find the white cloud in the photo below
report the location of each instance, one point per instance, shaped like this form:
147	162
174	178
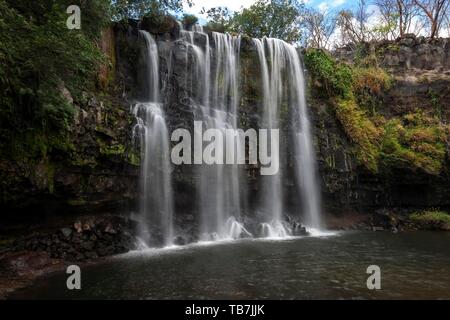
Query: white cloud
323	7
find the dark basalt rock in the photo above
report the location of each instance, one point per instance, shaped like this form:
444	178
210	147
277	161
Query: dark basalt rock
104	237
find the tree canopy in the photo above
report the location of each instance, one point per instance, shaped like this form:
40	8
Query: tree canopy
124	9
270	18
265	18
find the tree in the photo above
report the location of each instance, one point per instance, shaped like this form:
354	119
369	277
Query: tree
352	25
135	9
361	17
398	16
435	11
319	27
349	31
219	19
189	20
274	19
265	18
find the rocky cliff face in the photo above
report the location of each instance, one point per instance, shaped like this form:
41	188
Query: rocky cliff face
102	169
420	69
95	169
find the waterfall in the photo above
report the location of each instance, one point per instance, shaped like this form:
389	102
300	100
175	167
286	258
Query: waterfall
283	83
305	161
212	81
156	204
220	202
216	73
271	201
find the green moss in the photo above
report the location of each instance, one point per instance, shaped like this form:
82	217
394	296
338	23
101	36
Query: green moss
84	162
432	218
435	103
368	85
134	158
117	149
361	131
415	140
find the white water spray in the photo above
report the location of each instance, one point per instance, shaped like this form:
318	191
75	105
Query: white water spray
156	205
283	83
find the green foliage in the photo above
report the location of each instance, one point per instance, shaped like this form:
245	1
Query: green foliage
415	140
265	18
336	79
368	84
220	19
433	218
189	20
136	9
361	131
270	18
43	62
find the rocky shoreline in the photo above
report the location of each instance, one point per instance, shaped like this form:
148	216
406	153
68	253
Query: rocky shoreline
34	252
90	240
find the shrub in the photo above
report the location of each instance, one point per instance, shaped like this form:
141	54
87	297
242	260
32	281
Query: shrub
371	79
336	78
189	20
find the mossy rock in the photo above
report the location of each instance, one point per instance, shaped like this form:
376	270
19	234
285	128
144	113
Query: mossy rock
433	219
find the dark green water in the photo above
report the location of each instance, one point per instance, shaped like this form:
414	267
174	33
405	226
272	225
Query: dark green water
413	266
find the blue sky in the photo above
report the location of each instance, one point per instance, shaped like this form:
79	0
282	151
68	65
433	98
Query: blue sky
235	5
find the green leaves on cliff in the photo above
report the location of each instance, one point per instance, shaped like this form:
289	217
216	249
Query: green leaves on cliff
45	65
432	219
416	140
334	79
361	131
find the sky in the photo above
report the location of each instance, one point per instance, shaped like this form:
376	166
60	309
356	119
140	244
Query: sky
236	5
330	6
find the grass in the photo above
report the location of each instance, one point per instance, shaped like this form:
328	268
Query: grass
433	218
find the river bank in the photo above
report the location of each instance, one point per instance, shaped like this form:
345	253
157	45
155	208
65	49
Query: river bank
28	253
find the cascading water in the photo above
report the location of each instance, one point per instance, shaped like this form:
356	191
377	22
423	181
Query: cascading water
306	164
271	205
219	184
156	205
217	96
281	69
213	82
